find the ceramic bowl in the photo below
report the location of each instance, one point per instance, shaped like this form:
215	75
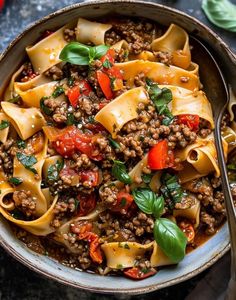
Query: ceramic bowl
195	262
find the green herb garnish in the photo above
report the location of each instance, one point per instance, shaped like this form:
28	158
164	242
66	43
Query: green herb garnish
58	91
54	170
15	180
80	54
27	161
70	119
107	64
4	124
48	111
21	144
171	189
120	173
148	202
147	178
161	98
170	238
113	143
14	99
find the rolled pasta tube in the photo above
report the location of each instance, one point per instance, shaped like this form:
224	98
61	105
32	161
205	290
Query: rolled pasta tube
158	257
120	45
124	254
176	42
40	226
6	189
88	31
26	121
160	73
45	53
4	132
121	110
189	173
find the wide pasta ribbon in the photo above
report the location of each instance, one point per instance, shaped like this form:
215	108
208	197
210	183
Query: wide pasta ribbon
45	53
176	42
26	121
87	31
159	73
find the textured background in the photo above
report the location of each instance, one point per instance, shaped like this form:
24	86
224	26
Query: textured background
18	282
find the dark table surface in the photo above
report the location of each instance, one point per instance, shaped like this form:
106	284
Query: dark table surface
18	282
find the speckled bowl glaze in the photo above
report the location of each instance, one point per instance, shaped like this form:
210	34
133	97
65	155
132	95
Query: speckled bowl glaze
196	261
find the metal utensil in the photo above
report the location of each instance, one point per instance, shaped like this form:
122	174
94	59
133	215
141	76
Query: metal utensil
217	91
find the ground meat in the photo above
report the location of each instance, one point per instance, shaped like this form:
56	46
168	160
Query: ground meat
69	35
27	73
164	57
108	194
186	202
59	110
62	209
204	128
141	224
139	35
209	221
55	73
25	202
81	161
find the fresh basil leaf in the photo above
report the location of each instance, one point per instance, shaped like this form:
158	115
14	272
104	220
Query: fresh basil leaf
99	51
147	178
54	170
170	238
161	98
231	167
15	180
120	173
113	143
148	202
58	91
76	53
71	81
80	54
48	111
222	13
4	124
21	144
27	161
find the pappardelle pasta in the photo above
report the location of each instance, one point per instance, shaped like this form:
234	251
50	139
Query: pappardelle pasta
108	161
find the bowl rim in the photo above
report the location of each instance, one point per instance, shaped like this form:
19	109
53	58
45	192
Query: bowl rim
20	257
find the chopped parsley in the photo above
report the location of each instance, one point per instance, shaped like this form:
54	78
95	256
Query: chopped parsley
4	124
27	161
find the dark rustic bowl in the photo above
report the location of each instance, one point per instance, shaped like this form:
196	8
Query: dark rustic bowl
196	261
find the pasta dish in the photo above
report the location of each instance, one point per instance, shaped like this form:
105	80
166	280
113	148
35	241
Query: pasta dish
108	161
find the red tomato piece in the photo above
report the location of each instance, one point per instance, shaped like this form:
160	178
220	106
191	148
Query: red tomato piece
92	177
192	121
87	203
63	143
159	157
110	56
85	144
137	273
105	84
74	93
93	239
123	202
188	230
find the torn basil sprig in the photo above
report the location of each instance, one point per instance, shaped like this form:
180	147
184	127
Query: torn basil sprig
54	170
171	189
120	173
161	98
167	234
80	54
58	91
114	143
15	180
27	161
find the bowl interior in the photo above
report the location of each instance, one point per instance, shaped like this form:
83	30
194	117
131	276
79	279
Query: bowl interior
194	262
